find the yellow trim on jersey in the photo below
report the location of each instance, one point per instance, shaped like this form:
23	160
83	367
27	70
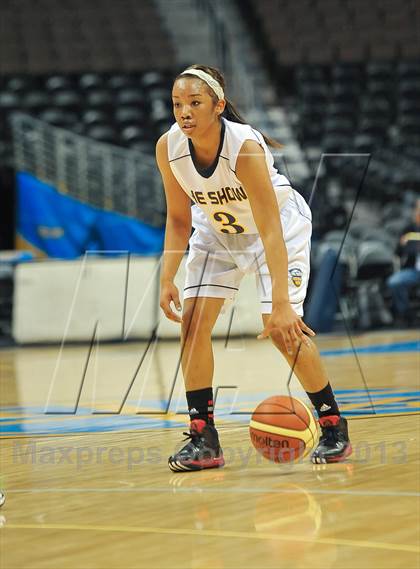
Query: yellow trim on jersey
412	236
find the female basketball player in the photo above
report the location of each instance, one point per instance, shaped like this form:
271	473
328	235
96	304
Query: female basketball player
247	218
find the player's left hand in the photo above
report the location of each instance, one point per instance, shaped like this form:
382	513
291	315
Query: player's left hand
288	327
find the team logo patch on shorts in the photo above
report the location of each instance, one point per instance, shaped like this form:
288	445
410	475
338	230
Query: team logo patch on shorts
296	275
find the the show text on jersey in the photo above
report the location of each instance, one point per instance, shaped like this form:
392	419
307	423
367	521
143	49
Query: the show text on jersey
218	197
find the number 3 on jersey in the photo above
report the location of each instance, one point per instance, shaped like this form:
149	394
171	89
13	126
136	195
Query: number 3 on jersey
228	221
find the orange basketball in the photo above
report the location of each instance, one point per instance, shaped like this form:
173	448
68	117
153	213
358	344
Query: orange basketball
283	429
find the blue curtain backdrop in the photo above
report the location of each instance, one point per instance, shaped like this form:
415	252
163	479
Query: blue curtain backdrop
63	227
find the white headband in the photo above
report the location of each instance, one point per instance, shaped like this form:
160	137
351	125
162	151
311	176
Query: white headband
207	78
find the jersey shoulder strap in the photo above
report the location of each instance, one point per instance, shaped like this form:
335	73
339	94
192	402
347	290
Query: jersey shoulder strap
236	134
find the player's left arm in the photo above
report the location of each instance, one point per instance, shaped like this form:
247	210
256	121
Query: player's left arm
252	171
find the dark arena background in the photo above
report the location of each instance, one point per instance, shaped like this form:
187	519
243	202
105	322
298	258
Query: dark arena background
92	398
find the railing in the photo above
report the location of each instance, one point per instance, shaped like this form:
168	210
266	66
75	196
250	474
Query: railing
106	176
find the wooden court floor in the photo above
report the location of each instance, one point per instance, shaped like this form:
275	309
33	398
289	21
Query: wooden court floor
85	437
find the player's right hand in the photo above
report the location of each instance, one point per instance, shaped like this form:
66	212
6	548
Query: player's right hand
168	294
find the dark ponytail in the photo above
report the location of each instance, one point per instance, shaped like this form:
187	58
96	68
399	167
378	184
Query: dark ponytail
230	112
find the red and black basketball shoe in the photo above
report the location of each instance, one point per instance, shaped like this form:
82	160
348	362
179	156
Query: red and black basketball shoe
202	451
334	443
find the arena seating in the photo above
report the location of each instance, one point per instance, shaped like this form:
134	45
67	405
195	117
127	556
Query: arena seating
344	99
323	31
46	36
348	75
98	68
356	108
130	109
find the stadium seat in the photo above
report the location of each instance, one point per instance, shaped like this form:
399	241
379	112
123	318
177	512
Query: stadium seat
409	125
376	127
160	111
91	81
380	235
36	100
10	100
59	117
129	96
409	69
94	116
67	99
380	71
395	228
341	243
129	115
309	73
408	107
58	83
365	143
378	87
133	134
343	110
314	93
145	146
333	143
375	107
103	133
335	125
99	98
344	93
310	131
152	79
374	260
346	73
19	84
409	88
121	81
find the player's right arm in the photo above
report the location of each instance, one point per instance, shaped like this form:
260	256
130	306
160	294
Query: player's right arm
177	232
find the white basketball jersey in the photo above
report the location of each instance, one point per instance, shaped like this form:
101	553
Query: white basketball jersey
216	190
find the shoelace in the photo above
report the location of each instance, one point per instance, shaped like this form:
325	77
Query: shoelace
330	434
193	435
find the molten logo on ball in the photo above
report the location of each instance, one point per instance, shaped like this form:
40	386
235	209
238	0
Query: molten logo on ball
260	441
283	429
